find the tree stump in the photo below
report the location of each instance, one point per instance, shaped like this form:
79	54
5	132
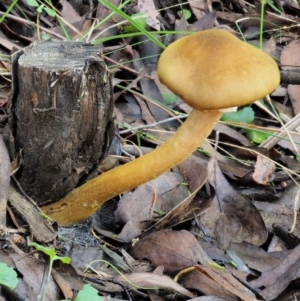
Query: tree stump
61	116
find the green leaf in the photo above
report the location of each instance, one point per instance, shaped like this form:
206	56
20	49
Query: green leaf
50	11
48	251
245	115
185	13
40	8
64	259
170	98
51	253
88	293
298	157
8	276
257	136
140	19
32	3
45	37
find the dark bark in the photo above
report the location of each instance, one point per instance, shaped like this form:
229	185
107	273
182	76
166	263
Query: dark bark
290	77
61	115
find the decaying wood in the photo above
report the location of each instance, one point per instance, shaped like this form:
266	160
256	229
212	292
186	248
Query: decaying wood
38	225
61	116
4	181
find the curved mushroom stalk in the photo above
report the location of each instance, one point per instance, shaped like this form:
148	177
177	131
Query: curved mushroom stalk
210	70
86	199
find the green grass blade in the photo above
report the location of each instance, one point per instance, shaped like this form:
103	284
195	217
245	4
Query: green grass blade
106	18
134	34
8	10
131	21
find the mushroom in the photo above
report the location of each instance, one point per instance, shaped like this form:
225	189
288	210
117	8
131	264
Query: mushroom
210	70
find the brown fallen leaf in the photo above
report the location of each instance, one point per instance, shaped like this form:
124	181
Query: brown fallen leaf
68	12
194	172
254	257
208	298
228	282
226	231
231	216
193	205
287	144
151	13
201	282
198	9
290	56
137	266
151	112
278	278
290	59
175	250
63	284
232	134
272	22
264	170
154	281
135	209
294	94
33	275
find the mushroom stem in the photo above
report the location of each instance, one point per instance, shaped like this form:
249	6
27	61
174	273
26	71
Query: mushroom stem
86	199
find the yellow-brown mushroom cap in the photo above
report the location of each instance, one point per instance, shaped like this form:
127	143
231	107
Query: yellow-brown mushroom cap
213	69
